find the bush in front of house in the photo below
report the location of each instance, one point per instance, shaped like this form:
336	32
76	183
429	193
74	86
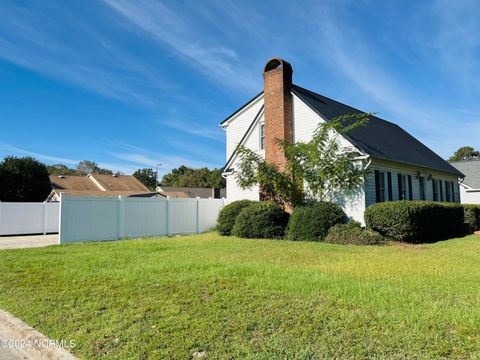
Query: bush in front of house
352	233
472	217
264	220
311	222
228	215
416	221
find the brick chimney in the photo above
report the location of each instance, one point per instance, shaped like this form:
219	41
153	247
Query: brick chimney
277	77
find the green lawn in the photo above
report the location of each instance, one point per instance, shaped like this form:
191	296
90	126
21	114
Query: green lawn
258	299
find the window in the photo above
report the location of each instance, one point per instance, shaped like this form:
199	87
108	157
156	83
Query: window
453	191
402	186
262	136
421	183
435	190
410	188
389	184
380	186
440	187
447	191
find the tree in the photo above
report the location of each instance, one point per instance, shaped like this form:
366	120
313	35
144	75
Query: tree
188	177
60	169
147	177
316	170
23	179
465	153
89	167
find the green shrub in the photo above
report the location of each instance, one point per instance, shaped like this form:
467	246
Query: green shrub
352	233
311	222
228	215
472	217
416	221
263	219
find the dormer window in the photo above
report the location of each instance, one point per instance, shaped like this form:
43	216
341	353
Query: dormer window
262	136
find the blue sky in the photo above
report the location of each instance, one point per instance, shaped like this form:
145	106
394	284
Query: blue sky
129	84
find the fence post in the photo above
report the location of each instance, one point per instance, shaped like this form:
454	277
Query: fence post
121	217
168	215
60	210
44	218
197	212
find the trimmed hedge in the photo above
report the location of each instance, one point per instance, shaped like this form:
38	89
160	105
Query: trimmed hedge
352	233
265	220
311	222
472	217
416	221
228	215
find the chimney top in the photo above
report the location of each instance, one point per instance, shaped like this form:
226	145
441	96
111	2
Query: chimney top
275	63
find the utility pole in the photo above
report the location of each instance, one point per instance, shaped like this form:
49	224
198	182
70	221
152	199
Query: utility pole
157	182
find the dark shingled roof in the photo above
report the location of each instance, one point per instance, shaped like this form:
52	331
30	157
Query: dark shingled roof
471	169
378	138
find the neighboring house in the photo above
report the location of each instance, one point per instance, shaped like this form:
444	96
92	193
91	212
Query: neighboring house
98	185
470	185
186	193
400	167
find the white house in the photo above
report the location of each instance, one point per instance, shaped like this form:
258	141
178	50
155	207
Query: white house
470	185
400	167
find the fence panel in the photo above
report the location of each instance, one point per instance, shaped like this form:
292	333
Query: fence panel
88	218
96	218
208	213
145	217
18	218
183	216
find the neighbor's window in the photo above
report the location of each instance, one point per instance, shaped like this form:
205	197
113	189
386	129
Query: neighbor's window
421	183
262	136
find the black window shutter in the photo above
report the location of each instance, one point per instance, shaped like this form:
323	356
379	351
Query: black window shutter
410	192
453	192
377	185
440	186
400	187
434	190
389	180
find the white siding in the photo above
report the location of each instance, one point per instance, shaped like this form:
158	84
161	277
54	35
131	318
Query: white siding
469	196
305	121
234	192
238	125
353	204
396	168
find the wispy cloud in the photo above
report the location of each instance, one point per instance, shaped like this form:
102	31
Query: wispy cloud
7	149
65	47
172	31
209	132
456	41
141	157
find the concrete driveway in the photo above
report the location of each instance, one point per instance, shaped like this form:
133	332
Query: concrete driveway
27	241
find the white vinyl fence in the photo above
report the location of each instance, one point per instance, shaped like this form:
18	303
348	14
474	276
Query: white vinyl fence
109	218
18	218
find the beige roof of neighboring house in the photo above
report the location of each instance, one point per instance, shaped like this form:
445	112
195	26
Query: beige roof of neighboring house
98	185
101	193
120	183
176	194
70	182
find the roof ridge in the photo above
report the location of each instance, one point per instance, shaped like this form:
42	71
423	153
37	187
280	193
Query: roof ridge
463	161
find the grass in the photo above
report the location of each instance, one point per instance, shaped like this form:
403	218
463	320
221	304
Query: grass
257	299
